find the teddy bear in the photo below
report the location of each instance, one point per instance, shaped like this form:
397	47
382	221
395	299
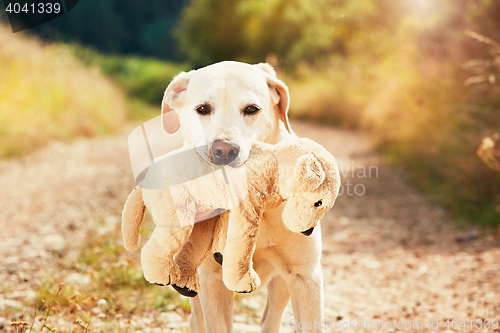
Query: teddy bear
300	174
307	183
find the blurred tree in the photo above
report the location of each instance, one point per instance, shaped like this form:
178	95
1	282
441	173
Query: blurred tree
294	30
120	26
211	31
448	91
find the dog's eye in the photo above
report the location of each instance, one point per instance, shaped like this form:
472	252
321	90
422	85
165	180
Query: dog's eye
318	203
251	109
203	109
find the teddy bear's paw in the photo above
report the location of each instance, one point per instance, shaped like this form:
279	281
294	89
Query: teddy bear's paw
185	291
161	273
188	279
245	283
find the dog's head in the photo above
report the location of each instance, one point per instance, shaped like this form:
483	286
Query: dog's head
222	108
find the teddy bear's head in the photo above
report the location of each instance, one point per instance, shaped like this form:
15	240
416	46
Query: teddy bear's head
309	186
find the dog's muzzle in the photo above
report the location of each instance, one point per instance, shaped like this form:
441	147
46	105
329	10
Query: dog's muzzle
224	152
308	232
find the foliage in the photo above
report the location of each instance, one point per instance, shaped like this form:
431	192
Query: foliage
426	96
120	26
47	95
293	30
144	79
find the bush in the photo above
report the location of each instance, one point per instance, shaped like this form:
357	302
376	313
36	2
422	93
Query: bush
144	79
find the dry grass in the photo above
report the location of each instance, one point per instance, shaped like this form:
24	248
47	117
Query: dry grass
97	286
332	95
49	95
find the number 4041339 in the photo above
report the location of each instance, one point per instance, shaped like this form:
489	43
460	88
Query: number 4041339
470	324
40	8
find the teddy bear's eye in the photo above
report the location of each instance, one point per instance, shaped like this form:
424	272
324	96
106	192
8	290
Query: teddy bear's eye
318	203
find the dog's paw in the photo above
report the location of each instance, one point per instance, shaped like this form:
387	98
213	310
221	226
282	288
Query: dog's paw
161	273
245	283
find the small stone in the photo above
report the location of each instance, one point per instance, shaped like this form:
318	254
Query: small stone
54	242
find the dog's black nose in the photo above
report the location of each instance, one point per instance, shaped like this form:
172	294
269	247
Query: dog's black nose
224	152
308	231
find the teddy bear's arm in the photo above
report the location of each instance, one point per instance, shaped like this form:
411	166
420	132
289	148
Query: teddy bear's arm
237	267
220	234
193	252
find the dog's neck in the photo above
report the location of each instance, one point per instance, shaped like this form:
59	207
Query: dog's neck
279	134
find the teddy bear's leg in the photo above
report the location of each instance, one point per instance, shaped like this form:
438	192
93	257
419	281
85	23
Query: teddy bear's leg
192	254
220	237
157	256
237	267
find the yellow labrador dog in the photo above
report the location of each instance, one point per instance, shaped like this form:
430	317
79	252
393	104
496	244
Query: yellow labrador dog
230	105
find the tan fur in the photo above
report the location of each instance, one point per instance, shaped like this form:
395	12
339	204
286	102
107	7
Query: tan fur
242	222
133	212
174	209
264	173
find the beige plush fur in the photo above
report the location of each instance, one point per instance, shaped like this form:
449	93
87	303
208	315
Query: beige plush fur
300	173
193	190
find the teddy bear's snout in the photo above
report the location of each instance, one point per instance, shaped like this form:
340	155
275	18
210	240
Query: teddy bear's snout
224	152
308	232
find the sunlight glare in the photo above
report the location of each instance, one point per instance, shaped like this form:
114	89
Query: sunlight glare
422	5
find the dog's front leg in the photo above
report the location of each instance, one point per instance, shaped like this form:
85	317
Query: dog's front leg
301	269
306	292
277	299
196	319
216	300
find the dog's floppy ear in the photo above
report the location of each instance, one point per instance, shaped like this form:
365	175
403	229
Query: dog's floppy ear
173	99
279	93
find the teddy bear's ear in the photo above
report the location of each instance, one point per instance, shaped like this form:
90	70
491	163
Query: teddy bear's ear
173	99
309	173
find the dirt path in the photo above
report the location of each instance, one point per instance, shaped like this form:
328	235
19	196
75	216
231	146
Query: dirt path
389	255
